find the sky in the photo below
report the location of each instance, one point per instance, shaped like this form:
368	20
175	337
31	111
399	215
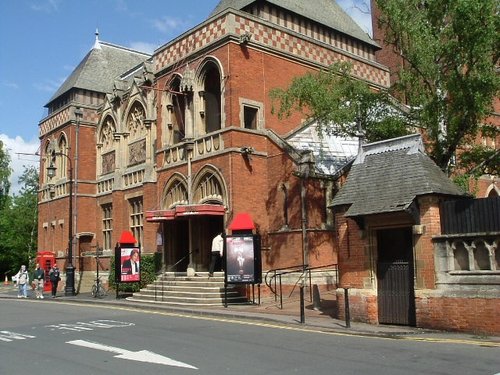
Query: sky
42	41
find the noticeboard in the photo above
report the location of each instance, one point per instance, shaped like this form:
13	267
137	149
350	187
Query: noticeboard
128	264
242	259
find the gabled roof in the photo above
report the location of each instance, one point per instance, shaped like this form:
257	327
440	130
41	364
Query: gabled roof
387	176
326	12
331	153
99	68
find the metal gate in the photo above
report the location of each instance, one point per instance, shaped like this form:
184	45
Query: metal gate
396	295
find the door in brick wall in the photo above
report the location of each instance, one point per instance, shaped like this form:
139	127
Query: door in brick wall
176	248
396	294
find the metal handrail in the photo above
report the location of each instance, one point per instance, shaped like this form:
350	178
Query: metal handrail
276	276
168	269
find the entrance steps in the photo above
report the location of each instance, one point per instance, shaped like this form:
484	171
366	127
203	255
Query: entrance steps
176	288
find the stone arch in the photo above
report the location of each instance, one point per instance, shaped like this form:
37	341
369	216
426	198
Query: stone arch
134	120
492	191
209	186
209	82
175	192
136	134
47	155
62	161
106	153
174	111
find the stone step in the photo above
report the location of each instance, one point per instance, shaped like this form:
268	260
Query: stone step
176	288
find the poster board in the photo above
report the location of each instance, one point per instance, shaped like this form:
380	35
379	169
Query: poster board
128	264
242	259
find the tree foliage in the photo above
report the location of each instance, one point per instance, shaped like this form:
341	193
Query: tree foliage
5	172
340	104
448	78
19	223
450	49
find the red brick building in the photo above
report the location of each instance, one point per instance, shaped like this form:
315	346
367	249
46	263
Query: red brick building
172	146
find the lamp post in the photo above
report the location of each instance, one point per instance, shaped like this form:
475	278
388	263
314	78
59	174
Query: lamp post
69	290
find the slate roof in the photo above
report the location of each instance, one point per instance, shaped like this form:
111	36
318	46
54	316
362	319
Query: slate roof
326	12
331	153
387	176
99	68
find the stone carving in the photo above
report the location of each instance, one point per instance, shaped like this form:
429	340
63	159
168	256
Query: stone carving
137	152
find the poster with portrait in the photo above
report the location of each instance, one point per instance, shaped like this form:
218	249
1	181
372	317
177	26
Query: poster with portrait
130	264
242	259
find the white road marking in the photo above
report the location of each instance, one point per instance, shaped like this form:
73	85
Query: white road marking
141	355
90	326
8	336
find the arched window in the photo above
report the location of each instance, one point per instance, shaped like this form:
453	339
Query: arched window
137	134
461	256
175	192
61	163
211	97
106	146
209	187
175	115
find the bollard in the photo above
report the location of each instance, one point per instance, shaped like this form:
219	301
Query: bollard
346	305
316	298
302	307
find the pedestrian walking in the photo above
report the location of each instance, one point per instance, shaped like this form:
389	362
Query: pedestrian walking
55	277
23	279
38	281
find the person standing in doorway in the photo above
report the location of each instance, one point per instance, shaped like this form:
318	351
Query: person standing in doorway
38	281
23	280
55	277
216	254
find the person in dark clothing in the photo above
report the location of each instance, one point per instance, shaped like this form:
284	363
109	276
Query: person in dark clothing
55	277
38	281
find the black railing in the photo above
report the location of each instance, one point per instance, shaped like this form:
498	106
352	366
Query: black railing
274	279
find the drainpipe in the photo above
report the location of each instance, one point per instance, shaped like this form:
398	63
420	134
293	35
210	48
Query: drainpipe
189	147
79	117
306	165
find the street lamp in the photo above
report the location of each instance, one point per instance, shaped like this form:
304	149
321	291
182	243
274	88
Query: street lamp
69	290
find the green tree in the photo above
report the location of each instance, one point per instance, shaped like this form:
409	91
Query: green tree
448	78
5	172
18	224
450	49
341	105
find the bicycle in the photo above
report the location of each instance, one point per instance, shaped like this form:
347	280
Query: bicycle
98	290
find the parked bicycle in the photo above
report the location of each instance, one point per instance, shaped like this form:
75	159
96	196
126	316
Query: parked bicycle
98	290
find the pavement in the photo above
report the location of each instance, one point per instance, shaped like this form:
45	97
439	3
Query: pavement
269	312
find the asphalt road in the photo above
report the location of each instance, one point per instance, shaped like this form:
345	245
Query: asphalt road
47	337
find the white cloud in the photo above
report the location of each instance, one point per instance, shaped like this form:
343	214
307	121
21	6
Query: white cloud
22	153
143	47
47	6
169	24
49	85
11	85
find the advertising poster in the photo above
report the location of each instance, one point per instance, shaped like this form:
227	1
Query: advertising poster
240	259
130	260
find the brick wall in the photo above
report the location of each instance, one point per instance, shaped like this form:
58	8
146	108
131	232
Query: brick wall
475	315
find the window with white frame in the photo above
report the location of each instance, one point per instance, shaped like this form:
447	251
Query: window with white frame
107	225
137	219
